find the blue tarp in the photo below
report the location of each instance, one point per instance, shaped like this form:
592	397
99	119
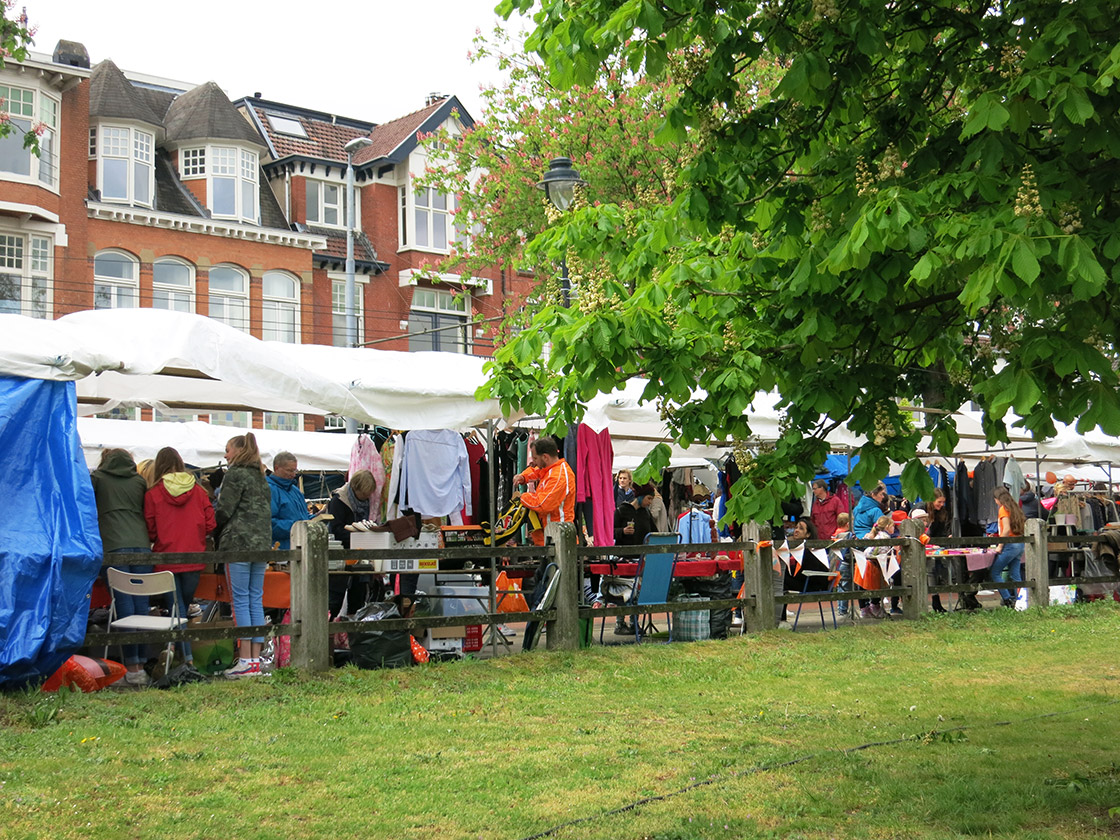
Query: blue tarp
50	546
836	466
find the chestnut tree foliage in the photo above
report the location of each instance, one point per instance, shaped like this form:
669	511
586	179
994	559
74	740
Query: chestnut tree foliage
925	208
15	37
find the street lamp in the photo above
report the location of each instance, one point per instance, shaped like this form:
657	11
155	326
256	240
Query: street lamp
559	184
355	145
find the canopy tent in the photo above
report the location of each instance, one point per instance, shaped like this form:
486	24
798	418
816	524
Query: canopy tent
203	444
174	359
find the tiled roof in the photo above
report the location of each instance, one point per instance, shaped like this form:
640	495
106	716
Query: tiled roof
336	245
271	214
388	136
158	100
327	136
205	113
171	195
111	95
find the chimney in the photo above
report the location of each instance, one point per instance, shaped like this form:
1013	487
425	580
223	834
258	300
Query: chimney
433	98
72	54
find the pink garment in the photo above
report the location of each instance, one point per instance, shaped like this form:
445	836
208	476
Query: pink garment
594	462
364	456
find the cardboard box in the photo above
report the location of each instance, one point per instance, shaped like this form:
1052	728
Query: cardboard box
447	632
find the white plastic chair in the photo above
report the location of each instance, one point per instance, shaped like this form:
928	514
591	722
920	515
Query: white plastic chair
152	583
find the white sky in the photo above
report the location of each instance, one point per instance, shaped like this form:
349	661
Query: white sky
374	60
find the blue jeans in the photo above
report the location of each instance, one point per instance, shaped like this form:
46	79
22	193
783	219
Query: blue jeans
845	583
131	604
1010	558
185	585
246	583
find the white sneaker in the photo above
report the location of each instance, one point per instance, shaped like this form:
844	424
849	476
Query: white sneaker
736	621
137	678
243	669
784	625
507	631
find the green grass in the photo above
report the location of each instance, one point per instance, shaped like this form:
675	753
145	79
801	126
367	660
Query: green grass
999	724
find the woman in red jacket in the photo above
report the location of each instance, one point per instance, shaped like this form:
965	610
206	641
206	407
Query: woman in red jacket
179	516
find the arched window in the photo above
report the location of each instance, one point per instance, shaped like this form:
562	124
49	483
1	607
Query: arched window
229	296
173	285
281	307
115	280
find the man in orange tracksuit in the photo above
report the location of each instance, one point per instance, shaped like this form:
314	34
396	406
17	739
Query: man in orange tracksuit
554	498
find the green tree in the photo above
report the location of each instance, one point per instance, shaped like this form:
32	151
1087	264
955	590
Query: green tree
926	203
15	38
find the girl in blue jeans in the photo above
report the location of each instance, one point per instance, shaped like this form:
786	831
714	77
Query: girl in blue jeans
1012	523
244	514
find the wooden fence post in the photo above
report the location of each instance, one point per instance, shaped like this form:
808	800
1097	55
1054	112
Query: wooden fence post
912	558
563	632
308	576
758	583
1036	562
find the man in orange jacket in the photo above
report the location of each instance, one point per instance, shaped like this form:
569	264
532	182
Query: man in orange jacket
554	498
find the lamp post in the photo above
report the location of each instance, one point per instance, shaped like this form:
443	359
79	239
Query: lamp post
355	145
559	184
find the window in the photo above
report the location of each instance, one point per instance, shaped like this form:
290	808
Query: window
240	419
25	274
125	164
173	415
286	125
281	307
115	283
427	219
192	163
233	179
338	312
172	285
229	296
438	321
325	204
29	111
283	422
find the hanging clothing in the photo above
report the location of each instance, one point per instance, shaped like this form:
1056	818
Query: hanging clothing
695	526
393	494
476	463
1013	477
984	480
595	456
435	476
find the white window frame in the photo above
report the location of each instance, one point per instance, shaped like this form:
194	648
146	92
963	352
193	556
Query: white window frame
228	296
219	163
38	111
125	289
136	147
321	205
27	259
274	304
431	306
419	217
275	420
173	291
338	309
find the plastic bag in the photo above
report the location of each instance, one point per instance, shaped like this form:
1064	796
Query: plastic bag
512	601
380	648
419	652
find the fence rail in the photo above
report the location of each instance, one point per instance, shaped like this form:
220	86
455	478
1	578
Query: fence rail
762	598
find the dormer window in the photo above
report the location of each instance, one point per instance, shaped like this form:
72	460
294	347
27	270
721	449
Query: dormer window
125	164
325	204
232	180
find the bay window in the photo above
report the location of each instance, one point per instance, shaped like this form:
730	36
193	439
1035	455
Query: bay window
427	219
29	111
126	164
233	179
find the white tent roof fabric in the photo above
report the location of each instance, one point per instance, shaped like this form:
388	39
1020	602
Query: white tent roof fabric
118	356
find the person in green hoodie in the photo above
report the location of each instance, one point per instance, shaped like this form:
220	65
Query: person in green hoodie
119	491
244	518
179	516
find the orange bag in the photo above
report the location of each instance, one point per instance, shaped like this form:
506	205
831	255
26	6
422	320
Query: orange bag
509	597
85	673
419	652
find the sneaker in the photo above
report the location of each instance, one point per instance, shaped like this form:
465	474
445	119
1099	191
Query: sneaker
243	669
736	621
194	611
877	611
624	629
507	631
137	678
841	611
784	625
896	611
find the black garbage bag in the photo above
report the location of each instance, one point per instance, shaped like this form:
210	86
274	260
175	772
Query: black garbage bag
379	648
182	675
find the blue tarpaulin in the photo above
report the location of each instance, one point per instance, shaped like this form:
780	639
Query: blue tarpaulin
836	466
50	546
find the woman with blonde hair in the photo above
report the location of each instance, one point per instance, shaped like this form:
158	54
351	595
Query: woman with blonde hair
1009	558
872	575
244	518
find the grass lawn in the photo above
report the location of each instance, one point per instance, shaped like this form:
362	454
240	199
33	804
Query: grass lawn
1000	724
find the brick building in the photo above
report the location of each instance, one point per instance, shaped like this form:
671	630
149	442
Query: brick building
152	193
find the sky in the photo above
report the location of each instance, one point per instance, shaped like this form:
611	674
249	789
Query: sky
374	60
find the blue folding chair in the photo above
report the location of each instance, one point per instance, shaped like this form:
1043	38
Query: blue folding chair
655	574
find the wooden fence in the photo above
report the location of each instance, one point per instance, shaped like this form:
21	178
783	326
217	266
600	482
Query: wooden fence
309	568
